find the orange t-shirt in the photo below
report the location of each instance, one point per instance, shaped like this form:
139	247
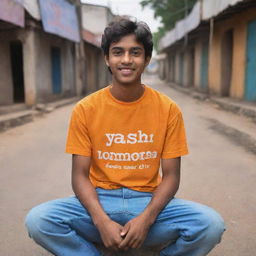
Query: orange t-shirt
126	140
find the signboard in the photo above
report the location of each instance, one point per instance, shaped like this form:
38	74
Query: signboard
12	11
59	17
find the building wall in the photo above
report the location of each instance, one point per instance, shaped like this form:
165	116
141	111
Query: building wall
238	23
6	81
44	43
6	88
36	66
91	59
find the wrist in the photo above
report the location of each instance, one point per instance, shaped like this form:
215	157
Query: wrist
100	220
149	217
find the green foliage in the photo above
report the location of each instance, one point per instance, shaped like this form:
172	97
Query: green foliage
169	12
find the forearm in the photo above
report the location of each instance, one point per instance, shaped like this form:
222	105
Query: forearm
88	197
161	196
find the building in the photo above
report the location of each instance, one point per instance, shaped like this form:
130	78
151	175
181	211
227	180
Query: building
39	41
214	49
94	19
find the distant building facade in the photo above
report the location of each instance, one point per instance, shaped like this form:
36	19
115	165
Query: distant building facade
214	49
45	53
94	19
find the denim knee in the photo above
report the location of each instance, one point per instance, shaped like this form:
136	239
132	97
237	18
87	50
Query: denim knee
33	222
38	222
213	227
206	226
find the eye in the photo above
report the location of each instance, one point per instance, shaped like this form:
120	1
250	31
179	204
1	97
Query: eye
136	52
117	52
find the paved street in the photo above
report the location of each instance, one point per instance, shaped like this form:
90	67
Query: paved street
217	172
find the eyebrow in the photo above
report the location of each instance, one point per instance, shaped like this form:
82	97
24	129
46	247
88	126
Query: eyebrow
121	48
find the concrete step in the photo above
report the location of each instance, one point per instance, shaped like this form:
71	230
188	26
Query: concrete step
236	135
15	119
6	109
238	107
244	108
18	114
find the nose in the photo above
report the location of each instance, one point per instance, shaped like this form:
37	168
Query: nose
126	58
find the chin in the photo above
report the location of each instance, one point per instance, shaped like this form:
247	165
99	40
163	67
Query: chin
128	81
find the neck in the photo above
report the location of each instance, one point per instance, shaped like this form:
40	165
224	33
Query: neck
127	92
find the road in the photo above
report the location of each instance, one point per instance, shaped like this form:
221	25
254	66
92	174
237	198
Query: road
217	172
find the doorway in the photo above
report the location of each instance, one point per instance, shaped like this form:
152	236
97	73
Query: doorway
226	62
16	55
56	69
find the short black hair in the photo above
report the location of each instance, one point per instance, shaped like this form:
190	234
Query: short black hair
123	26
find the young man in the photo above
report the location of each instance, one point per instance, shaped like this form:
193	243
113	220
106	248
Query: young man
117	137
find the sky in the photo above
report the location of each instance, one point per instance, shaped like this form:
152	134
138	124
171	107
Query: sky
129	7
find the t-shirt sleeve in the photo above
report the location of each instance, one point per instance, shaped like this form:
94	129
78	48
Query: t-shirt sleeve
175	144
78	140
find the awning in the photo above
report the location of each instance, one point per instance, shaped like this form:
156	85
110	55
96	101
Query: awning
60	17
32	7
92	38
213	8
13	12
182	27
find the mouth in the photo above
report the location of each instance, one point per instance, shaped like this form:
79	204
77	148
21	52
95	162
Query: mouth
126	71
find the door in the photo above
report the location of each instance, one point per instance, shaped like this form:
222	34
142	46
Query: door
56	69
204	66
226	62
16	54
250	84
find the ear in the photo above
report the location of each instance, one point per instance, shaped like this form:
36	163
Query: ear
106	60
147	61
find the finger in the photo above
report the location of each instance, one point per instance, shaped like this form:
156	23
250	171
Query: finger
125	230
114	247
135	243
125	242
140	244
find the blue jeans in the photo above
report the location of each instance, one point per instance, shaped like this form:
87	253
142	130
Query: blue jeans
65	228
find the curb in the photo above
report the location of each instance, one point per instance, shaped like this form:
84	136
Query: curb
237	136
243	109
15	119
238	107
18	118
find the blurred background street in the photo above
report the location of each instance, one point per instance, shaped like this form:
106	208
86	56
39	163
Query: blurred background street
204	59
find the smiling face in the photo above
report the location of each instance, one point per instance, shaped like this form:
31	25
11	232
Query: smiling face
127	61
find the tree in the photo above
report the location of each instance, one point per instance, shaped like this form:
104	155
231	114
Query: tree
169	11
